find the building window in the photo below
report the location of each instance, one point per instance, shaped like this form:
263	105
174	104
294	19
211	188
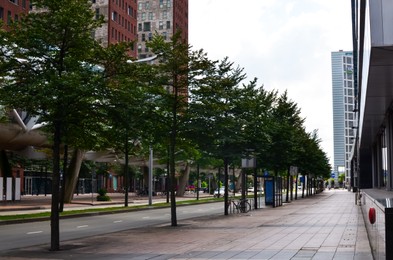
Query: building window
139	27
139	6
164	35
143	16
168	24
14	1
161	3
114	16
130	11
1	13
93	1
150	36
160	25
164	15
147	5
24	4
150	16
168	3
97	13
16	18
146	27
143	37
9	17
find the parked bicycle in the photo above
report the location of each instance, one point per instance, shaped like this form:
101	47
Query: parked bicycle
240	206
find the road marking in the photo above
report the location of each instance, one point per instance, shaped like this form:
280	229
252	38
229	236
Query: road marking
117	221
34	232
83	226
145	217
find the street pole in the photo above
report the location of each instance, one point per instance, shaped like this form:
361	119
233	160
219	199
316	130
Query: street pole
151	176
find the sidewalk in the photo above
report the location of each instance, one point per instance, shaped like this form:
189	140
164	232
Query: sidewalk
326	226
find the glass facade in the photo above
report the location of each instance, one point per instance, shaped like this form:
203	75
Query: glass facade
344	125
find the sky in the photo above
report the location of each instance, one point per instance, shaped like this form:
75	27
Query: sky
286	44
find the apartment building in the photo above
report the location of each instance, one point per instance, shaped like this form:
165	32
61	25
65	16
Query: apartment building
120	22
164	17
12	10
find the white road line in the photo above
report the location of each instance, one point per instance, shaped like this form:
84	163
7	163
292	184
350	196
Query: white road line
117	221
34	232
145	217
83	226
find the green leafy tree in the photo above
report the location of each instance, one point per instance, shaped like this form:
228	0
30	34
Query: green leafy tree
215	121
50	73
177	69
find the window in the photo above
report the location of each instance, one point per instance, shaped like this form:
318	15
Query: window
160	25
146	26
147	5
14	1
150	16
139	27
164	35
164	15
114	15
150	36
168	3
97	13
168	24
93	1
139	47
139	6
16	18
161	3
9	17
143	16
24	4
130	11
1	13
143	37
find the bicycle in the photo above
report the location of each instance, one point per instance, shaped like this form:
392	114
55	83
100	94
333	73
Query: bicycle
240	206
244	206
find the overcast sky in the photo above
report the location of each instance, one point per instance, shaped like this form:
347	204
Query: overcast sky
286	44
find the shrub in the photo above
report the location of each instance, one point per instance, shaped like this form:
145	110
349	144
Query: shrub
102	195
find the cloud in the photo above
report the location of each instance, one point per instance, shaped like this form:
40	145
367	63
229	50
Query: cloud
285	44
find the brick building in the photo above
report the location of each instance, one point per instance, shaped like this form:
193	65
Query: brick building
11	10
120	21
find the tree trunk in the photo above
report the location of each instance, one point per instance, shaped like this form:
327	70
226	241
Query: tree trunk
183	181
73	174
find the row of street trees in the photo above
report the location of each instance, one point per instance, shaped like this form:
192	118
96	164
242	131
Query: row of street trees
186	106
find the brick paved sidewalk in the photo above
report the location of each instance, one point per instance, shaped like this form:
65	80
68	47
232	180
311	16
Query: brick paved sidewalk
326	226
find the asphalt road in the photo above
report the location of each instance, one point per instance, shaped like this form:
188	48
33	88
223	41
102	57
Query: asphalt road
38	233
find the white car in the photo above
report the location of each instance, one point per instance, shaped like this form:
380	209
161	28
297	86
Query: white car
219	192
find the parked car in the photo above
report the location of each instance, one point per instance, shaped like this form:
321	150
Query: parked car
219	192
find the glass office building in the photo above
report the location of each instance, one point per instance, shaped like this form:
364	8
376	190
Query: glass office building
344	125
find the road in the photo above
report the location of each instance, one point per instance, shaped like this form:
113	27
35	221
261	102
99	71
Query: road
38	233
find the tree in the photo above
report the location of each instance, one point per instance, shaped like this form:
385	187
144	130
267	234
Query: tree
214	118
177	68
283	128
50	72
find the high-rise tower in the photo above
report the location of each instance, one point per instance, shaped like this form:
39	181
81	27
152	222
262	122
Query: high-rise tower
343	111
160	16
